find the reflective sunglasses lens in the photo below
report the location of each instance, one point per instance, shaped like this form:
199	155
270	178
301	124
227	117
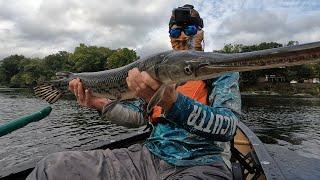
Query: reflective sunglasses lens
190	30
174	33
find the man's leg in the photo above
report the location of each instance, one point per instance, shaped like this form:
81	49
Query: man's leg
215	171
135	162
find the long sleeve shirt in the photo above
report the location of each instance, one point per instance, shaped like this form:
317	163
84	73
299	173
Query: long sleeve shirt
192	133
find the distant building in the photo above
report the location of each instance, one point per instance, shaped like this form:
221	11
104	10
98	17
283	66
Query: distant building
293	82
275	78
262	79
316	80
313	80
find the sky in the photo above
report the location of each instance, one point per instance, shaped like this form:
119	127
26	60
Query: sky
37	28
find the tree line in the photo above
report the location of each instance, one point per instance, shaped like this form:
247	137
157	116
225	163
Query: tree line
20	71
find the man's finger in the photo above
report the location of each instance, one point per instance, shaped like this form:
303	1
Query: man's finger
87	97
73	84
131	80
75	91
80	92
149	81
136	76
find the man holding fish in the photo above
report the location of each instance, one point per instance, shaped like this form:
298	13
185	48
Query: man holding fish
192	124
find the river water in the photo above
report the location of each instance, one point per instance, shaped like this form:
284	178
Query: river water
289	127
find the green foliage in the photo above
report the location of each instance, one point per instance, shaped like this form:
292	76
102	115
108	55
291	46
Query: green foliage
292	43
18	71
239	48
56	63
229	48
89	58
10	66
299	73
121	57
25	79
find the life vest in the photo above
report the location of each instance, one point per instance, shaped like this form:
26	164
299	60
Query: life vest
196	90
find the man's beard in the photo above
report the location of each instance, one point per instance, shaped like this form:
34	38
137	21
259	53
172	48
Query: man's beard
185	43
188	42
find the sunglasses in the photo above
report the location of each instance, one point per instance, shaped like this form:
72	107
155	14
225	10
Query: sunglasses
188	30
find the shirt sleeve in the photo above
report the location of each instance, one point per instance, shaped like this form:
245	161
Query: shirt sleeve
218	120
125	113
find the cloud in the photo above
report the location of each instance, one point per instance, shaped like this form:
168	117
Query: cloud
249	27
38	28
48	26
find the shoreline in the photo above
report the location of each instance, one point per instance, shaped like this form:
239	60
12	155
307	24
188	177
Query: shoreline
251	92
305	90
275	94
243	93
7	89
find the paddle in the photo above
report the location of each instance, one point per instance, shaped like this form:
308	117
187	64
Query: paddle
23	121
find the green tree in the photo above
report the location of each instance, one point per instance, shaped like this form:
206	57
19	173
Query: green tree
24	79
10	66
292	43
299	73
229	48
121	57
316	70
56	63
18	71
30	72
89	58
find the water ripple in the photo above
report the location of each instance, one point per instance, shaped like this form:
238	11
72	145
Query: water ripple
289	122
68	126
292	123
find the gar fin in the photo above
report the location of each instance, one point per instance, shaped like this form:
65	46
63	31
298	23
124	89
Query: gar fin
48	93
156	98
51	92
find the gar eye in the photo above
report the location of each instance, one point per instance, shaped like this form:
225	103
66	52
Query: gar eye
188	70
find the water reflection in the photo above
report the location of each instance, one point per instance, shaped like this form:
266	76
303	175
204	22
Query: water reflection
291	122
67	127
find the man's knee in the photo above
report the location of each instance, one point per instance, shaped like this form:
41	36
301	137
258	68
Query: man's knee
53	166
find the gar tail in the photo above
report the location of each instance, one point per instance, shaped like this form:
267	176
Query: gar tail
52	91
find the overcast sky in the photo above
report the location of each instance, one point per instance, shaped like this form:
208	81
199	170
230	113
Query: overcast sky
36	28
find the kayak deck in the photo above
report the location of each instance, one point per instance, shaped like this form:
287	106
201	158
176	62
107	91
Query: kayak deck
250	158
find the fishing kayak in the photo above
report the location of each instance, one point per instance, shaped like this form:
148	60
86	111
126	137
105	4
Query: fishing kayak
250	159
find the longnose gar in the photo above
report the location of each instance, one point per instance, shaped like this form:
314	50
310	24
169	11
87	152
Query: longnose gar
180	66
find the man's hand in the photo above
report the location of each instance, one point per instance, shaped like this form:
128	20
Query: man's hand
85	96
144	86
